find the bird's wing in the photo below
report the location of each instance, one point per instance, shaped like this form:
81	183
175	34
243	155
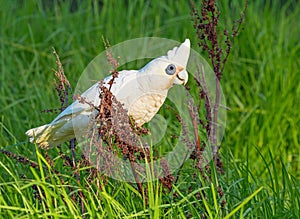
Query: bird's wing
91	96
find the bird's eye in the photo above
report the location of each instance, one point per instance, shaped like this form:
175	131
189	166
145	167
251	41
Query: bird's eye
171	69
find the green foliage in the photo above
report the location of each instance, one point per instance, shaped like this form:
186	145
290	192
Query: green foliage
261	151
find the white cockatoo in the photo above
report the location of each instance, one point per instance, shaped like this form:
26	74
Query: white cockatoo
142	93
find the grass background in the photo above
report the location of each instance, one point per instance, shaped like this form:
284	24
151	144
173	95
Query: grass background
260	83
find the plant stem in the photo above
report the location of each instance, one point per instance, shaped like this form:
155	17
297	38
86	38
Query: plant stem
215	147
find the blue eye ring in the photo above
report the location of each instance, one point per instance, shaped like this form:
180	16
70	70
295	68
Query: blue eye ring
171	69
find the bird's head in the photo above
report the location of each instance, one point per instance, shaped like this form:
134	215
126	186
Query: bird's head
170	69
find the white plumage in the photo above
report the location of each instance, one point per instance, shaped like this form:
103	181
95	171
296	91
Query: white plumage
142	93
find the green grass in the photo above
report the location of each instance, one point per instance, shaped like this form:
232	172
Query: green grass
261	151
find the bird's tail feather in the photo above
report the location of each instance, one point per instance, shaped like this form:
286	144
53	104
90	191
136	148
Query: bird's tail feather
43	135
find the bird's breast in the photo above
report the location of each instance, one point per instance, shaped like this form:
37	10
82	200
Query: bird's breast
145	107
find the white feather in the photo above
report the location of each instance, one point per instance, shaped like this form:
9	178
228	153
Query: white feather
141	92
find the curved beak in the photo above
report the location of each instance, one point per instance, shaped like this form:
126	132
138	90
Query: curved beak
181	78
